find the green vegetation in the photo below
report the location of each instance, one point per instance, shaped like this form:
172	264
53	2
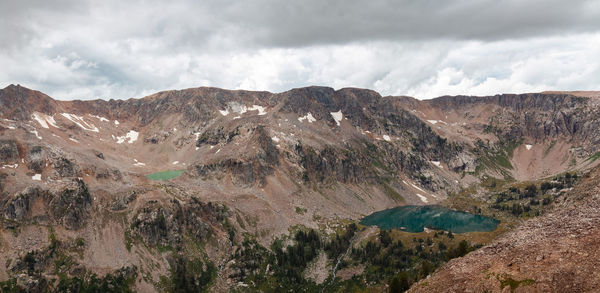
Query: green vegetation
300	211
387	259
120	281
514	284
593	157
532	199
189	275
165	175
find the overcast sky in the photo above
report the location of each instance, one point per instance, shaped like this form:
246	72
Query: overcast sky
83	49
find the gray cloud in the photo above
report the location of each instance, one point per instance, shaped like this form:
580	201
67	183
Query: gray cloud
120	49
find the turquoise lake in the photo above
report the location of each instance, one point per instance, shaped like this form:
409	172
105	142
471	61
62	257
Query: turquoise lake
415	218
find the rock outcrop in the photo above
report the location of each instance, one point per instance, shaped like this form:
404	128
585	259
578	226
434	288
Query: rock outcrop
9	152
68	206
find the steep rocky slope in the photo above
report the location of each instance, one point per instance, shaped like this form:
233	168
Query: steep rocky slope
75	200
557	252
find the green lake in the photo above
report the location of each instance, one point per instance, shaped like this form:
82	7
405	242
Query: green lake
165	175
415	218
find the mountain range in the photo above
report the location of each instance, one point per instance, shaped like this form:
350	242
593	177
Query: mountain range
212	189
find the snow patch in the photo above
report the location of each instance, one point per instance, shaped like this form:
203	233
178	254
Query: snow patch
74	140
10	166
237	117
261	109
117	122
432	121
197	134
387	138
36	133
422	198
44	120
40	120
437	163
138	164
337	116
102	119
37	177
417	187
217	151
528	146
197	148
80	122
224	112
308	117
175	162
132	136
275	138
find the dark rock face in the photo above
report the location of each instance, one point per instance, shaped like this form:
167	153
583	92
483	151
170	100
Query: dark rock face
123	200
99	155
18	207
165	224
215	136
539	116
64	167
360	163
158	225
249	171
70	207
9	152
106	173
35	159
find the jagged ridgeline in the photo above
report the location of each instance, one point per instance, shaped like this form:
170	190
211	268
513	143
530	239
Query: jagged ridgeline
208	189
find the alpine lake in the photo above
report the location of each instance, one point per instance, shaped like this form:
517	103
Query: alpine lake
415	218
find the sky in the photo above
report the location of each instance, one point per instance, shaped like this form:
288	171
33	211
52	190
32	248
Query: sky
114	49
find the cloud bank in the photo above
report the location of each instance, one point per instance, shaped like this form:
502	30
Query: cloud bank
121	49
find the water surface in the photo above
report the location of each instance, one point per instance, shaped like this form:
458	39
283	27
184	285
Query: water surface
165	175
415	218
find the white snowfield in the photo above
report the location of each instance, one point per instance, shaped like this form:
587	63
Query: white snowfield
10	166
37	177
275	138
337	116
102	119
241	109
260	109
386	137
80	122
138	164
437	163
528	146
132	136
423	198
116	122
309	117
44	120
